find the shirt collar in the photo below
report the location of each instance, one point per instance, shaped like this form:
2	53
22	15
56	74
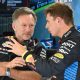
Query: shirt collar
68	33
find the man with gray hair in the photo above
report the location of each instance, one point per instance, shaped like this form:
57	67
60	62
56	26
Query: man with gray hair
13	67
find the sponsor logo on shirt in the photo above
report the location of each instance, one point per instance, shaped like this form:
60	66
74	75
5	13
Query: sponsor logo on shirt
59	55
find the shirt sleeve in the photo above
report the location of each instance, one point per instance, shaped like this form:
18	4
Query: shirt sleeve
58	62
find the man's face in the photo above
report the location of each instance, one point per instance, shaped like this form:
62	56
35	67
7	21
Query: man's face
24	27
52	25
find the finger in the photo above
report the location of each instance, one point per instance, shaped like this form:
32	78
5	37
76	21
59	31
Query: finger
9	43
15	65
13	51
14	40
10	50
19	65
20	61
31	66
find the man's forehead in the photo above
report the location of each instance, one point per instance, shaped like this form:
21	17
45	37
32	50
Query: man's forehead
48	16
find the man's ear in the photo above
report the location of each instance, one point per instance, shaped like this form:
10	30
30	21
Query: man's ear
59	19
13	26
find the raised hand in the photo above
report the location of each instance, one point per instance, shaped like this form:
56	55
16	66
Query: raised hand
15	47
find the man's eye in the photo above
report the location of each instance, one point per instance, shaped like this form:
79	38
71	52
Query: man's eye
31	26
24	25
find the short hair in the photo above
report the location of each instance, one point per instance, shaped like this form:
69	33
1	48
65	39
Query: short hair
23	11
61	10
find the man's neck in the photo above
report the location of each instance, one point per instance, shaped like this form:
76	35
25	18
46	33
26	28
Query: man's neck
64	30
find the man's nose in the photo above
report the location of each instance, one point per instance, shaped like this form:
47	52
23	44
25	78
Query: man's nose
27	28
46	26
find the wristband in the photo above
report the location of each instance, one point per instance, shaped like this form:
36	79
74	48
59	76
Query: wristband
8	72
27	56
24	53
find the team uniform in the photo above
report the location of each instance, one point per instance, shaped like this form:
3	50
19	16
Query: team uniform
7	56
55	65
68	53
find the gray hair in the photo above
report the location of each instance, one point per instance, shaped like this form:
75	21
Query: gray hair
23	11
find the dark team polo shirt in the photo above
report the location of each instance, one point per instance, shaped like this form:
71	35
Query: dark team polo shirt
7	56
67	53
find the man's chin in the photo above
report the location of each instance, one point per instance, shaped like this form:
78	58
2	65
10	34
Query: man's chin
27	38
